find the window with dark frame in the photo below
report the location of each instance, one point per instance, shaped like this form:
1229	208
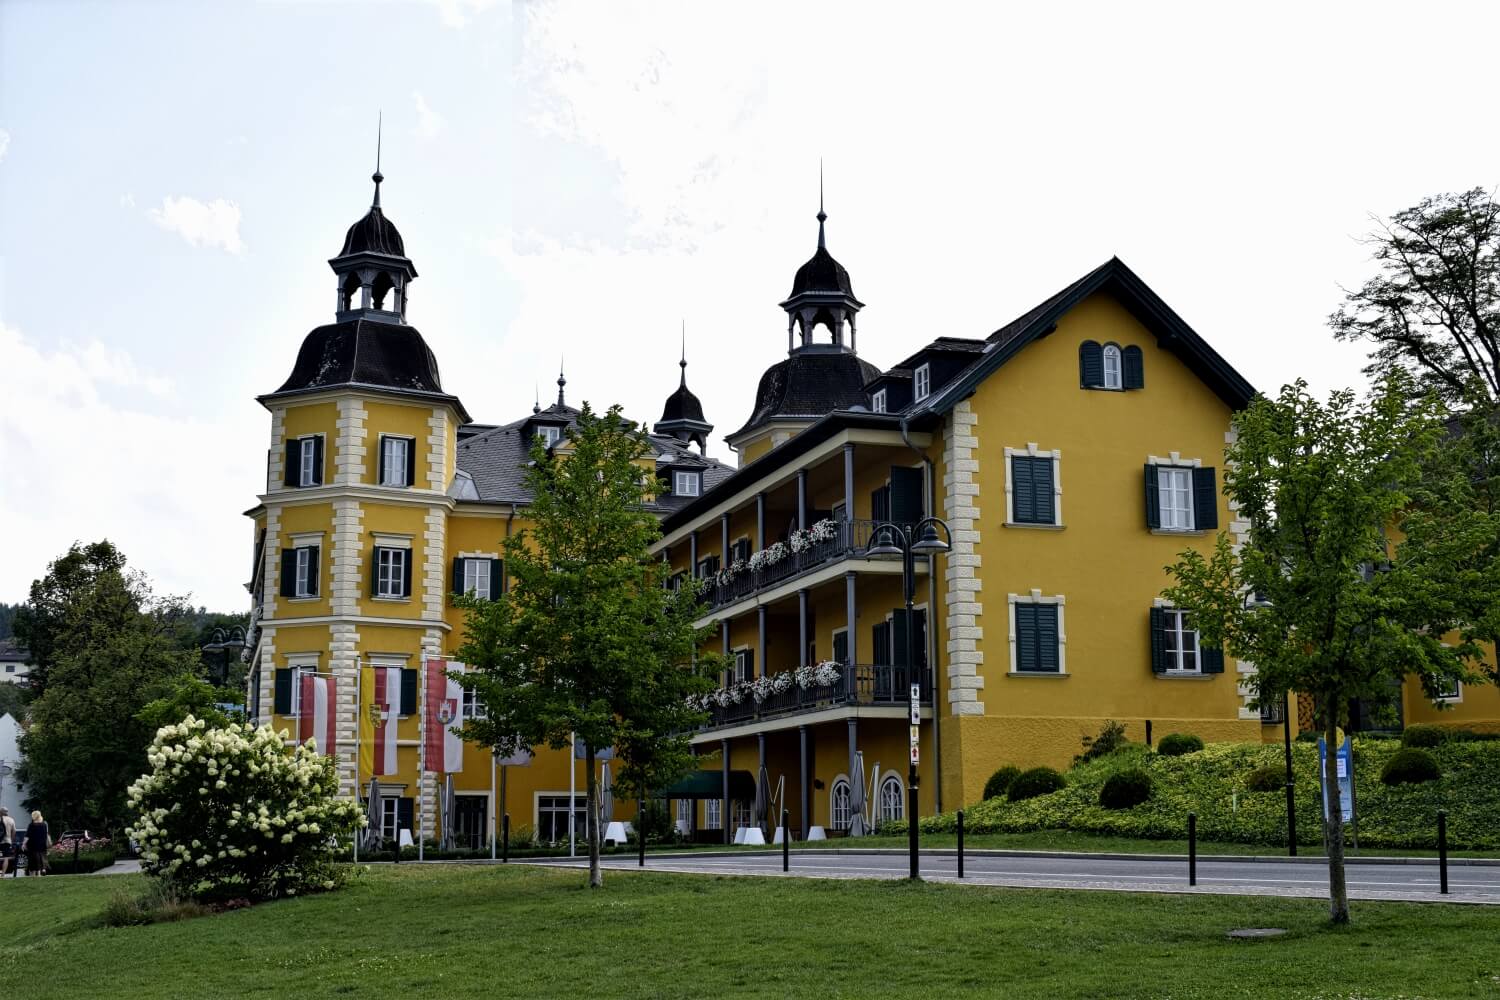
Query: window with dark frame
390	572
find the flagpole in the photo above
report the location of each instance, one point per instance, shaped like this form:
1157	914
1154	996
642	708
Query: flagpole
421	758
572	787
494	809
358	677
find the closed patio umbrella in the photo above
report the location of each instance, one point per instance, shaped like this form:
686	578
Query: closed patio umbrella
373	815
606	799
762	798
857	825
447	804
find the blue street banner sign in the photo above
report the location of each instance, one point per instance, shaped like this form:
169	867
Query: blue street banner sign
1344	762
580	751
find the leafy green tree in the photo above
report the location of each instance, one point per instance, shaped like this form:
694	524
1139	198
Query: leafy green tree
107	652
1433	309
588	640
13	699
187	696
1344	607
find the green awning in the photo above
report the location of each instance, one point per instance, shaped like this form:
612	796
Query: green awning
704	784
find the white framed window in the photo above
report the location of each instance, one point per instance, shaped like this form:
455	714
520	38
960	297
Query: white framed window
390	580
477	578
1180	642
474	706
395	456
1038	635
1270	712
877	401
390	813
1033	486
684	813
744	665
552	817
307	470
1452	693
839	814
712	819
1113	378
549	434
686	484
892	801
921	383
1174	494
739	814
300	670
306	584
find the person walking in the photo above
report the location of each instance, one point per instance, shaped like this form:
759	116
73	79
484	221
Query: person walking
7	842
37	842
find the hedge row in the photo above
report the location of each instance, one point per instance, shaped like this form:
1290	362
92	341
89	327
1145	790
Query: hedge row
88	861
1212	783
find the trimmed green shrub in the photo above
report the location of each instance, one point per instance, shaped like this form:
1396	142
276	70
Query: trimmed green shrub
1177	744
1000	781
1265	779
1471	736
1111	738
1125	789
1410	766
1423	735
1033	783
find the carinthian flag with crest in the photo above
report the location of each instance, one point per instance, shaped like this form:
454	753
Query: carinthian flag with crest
443	711
377	743
315	714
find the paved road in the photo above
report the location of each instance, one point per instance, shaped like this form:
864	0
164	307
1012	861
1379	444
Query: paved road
1407	881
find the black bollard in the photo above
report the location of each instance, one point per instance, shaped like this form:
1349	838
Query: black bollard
786	841
1443	851
640	834
505	838
1192	848
960	843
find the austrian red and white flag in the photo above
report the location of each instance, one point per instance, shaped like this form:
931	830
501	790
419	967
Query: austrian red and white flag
387	711
443	712
315	717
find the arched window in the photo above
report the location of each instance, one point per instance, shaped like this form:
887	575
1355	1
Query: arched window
1112	377
892	798
838	799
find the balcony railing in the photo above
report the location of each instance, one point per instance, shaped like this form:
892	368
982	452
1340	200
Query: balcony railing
861	684
851	539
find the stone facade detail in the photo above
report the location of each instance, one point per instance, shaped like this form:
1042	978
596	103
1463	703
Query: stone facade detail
276	456
343	663
271	578
349	462
434	564
350	581
963	625
267	694
437	450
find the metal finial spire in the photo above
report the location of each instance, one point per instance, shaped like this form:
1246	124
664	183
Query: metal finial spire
822	216
377	176
683	363
561	381
536	407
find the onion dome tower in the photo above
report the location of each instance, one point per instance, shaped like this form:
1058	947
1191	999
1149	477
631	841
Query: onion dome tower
817	377
682	416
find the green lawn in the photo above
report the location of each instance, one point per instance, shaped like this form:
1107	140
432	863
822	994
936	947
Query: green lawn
488	931
1070	840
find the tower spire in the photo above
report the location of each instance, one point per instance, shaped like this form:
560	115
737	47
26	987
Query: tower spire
561	381
822	216
683	363
377	176
536	407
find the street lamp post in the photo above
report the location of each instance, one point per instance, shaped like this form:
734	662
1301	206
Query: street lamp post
906	542
225	643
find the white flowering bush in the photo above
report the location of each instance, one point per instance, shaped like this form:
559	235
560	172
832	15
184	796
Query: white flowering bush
234	811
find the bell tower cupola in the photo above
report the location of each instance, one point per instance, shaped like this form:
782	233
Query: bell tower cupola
373	270
822	296
682	416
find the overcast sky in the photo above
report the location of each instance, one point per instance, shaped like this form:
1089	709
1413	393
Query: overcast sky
576	180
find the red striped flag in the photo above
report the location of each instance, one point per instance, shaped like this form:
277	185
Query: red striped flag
388	704
443	709
315	715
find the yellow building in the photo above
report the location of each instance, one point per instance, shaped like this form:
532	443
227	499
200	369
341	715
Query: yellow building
1072	454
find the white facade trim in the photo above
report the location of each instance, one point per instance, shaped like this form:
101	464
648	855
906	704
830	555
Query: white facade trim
1035	597
1032	451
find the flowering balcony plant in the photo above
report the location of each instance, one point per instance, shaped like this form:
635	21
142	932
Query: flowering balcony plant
821	674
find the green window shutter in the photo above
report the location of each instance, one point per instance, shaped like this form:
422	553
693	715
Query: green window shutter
919	622
411	461
880	504
1046	638
1090	365
1026	652
312	571
750	664
408	691
1135	368
497	578
458	575
1211	659
404	814
380	460
1205	499
1153	499
841	647
406	573
1022	489
317	461
288	572
1043	496
882	652
293	464
283	704
906	495
1158	641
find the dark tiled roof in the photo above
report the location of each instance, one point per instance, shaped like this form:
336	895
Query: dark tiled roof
809	384
822	274
365	352
944	345
682	405
373	234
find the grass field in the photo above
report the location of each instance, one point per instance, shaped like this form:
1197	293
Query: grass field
472	931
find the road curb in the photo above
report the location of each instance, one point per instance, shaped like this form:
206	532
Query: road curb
948	852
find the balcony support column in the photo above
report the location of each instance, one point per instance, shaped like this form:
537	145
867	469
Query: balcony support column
724	803
765	821
849	485
693	555
806	784
802	657
724	543
760	649
850	613
760	521
801	499
853	750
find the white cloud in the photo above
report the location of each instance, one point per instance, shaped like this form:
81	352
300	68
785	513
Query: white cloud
456	13
127	200
96	447
212	224
4	143
429	122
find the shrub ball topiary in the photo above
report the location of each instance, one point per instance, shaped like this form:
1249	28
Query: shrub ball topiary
1111	738
1125	789
1410	767
1177	744
1423	736
1265	779
999	782
1037	781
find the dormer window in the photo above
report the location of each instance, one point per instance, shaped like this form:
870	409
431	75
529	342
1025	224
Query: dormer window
922	383
548	434
687	484
877	401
